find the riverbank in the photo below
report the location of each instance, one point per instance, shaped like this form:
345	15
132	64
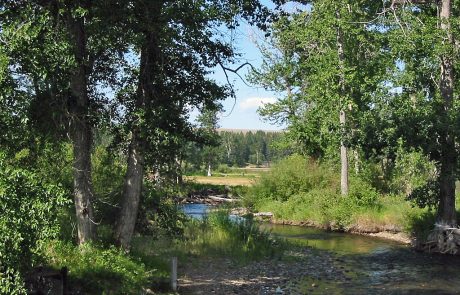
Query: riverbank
394	234
322	262
224	276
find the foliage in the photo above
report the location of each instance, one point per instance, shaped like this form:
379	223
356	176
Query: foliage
303	190
291	176
324	60
94	270
158	213
28	218
108	172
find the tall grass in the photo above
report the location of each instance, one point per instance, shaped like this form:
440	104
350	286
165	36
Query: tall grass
219	234
216	236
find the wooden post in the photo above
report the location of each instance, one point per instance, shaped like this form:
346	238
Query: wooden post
174	274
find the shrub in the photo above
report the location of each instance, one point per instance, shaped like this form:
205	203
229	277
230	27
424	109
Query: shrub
362	194
300	189
28	218
412	170
158	214
289	177
94	270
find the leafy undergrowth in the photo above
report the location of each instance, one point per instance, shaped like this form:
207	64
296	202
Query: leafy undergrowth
93	270
220	235
97	270
301	190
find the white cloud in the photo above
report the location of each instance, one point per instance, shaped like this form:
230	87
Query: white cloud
255	102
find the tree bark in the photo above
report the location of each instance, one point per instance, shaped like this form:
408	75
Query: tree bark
132	190
342	115
81	136
446	208
209	170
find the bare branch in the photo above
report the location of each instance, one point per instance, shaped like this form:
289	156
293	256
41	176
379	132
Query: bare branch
234	71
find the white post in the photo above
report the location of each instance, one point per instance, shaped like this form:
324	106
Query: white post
174	274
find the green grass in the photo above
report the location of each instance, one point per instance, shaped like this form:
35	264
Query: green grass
216	236
94	270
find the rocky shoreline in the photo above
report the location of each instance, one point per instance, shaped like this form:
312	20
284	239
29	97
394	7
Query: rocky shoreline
302	270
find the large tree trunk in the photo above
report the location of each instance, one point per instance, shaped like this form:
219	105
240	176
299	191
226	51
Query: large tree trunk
446	209
342	115
132	190
135	171
81	136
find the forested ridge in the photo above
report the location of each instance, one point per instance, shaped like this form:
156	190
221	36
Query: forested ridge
96	100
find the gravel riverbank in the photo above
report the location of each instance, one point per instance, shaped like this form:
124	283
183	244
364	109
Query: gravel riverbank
300	270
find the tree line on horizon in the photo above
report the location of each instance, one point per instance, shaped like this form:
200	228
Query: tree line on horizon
235	149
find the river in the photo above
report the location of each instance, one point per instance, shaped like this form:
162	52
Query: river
376	266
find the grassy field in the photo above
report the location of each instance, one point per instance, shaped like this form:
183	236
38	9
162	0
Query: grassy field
237	177
223	180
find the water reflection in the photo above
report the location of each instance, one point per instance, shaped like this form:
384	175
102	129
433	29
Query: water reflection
197	211
332	241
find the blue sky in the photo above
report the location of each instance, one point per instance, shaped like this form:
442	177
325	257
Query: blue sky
242	112
248	97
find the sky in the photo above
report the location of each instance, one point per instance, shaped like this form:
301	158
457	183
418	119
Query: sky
241	113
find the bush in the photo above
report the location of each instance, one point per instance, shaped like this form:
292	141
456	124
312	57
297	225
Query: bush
299	189
28	218
290	177
94	270
158	214
412	170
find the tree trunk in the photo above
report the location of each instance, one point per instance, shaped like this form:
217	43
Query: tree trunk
178	170
131	193
343	159
135	170
81	136
342	115
446	209
209	170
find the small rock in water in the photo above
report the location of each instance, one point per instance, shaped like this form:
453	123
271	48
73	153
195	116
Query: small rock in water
313	285
278	290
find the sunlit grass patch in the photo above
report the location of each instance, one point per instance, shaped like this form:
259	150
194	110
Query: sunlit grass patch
241	240
218	235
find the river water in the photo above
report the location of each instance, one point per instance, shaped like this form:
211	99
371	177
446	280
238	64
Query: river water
376	266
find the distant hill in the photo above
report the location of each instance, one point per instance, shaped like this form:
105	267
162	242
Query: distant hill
244	131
